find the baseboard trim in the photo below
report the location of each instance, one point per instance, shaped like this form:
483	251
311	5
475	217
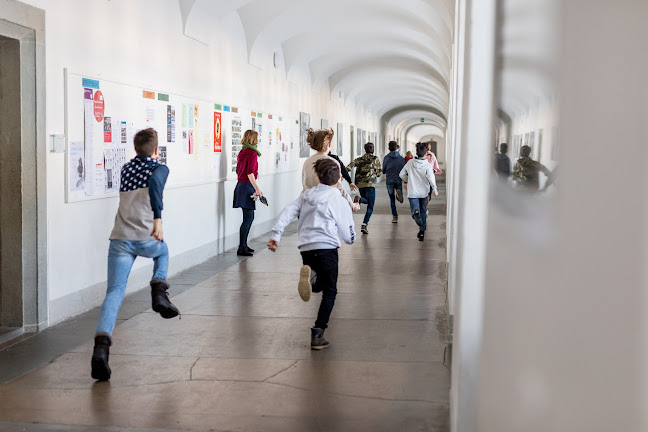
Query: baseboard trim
74	304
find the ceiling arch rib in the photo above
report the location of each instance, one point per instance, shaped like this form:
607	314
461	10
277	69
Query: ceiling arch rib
416	132
331	68
325	53
388	115
370	94
200	16
407	116
268	25
379	66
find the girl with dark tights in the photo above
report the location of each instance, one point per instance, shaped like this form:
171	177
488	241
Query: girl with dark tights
247	170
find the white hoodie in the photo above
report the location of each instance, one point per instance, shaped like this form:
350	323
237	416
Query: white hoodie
419	176
323	215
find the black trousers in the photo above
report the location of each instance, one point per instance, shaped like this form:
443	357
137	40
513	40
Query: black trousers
324	262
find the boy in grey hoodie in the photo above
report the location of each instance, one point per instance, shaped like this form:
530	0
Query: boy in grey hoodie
418	173
323	215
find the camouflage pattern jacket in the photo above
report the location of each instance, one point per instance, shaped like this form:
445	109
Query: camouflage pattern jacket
368	169
525	173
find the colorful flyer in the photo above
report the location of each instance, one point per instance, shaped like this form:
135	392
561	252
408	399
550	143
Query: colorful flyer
218	139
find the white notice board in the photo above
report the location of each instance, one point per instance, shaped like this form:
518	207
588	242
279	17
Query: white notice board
196	136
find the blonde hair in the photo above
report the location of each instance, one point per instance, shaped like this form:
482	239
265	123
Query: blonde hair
317	139
250	137
409	154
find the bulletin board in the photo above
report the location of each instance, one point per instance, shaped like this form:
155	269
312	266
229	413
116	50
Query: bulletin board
198	139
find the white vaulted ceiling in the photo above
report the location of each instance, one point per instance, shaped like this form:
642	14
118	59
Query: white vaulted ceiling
390	57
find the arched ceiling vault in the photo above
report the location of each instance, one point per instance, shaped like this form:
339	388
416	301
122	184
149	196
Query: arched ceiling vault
393	58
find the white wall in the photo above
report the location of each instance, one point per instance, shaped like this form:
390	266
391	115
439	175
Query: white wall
142	43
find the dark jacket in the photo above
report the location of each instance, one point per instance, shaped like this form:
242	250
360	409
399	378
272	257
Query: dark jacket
392	166
502	165
345	172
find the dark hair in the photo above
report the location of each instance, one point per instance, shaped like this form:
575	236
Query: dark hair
369	148
317	139
393	146
503	148
146	141
525	151
421	149
328	171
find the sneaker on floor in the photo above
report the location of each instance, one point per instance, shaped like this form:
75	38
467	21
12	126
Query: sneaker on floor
421	235
399	195
304	286
160	299
318	341
395	219
364	229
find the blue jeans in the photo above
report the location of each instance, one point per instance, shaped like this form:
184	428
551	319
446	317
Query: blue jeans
121	256
248	218
368	195
417	205
392	185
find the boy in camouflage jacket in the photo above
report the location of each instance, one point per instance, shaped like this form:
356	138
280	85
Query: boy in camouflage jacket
368	169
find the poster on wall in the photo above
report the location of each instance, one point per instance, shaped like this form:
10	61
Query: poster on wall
107	130
237	135
77	165
325	124
218	138
304	124
171	120
340	141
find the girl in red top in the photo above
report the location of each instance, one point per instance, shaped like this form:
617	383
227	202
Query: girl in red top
247	170
408	156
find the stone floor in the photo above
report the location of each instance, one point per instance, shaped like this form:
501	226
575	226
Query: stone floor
239	359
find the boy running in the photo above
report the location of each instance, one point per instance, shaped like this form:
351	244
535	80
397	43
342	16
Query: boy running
322	212
420	174
137	232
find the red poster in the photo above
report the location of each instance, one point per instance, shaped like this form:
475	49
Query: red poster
191	142
218	139
99	106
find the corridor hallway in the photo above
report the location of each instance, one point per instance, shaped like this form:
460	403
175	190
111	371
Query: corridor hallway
239	359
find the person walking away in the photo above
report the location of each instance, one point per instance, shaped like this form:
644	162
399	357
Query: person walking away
526	171
392	166
503	162
247	171
431	157
323	216
137	232
368	170
345	173
418	173
408	156
320	141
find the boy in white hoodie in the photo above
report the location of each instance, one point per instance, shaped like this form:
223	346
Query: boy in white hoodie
418	173
323	215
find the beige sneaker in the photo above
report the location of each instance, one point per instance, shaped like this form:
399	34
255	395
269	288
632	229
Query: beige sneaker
304	286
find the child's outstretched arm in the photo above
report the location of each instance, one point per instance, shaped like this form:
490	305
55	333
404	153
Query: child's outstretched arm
288	214
344	221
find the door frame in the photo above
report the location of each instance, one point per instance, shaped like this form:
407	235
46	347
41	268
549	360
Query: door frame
27	24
